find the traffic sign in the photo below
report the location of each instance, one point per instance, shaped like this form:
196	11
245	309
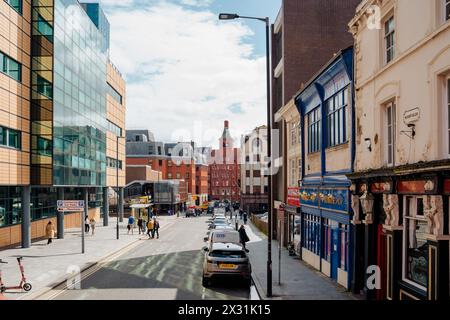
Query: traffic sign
70	205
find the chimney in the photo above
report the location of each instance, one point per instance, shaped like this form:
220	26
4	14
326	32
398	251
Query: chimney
226	124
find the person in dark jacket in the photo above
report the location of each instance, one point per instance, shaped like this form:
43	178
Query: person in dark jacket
243	237
155	228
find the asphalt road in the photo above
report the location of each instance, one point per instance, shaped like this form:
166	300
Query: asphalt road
166	268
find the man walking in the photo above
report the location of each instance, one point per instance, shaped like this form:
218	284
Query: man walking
86	224
130	224
140	225
155	228
150	226
243	237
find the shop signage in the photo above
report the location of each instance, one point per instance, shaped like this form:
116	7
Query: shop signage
416	187
309	196
293	196
380	187
411	116
70	205
447	186
334	199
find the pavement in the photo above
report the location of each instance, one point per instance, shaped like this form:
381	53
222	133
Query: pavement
48	265
299	281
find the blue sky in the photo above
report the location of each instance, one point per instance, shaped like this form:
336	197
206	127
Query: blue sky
187	71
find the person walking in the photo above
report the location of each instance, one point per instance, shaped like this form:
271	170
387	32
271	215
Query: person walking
243	237
245	217
150	226
140	225
92	223
155	228
49	232
130	225
86	224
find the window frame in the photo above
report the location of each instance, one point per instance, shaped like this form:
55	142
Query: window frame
406	218
314	130
337	117
7	138
18	9
5	61
391	34
390	108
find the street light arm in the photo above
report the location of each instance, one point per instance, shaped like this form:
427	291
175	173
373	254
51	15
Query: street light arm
266	20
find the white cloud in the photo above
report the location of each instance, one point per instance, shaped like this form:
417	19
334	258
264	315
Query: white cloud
186	72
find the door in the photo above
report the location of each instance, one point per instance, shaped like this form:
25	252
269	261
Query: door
334	250
381	261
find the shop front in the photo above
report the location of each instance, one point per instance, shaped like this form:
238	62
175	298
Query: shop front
292	209
412	248
326	231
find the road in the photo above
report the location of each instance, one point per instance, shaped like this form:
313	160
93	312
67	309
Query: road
166	268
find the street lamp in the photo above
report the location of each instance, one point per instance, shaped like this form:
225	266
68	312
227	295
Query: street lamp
117	185
232	16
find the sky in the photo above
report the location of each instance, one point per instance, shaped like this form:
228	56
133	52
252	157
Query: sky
186	71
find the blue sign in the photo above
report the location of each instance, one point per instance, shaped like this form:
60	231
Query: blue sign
309	196
334	199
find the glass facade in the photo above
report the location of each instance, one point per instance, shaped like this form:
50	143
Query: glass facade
10	206
81	57
16	5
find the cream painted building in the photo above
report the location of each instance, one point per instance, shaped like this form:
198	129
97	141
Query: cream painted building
402	95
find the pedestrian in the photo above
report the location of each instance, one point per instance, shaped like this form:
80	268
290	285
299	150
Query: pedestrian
86	224
150	226
140	225
245	217
130	225
240	214
243	237
155	228
92	223
49	232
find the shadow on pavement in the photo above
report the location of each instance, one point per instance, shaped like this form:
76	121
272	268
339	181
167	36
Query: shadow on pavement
176	270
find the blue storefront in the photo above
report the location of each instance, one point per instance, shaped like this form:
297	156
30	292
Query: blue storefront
327	134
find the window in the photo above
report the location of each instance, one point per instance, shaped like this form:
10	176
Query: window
415	267
311	232
44	28
44	146
10	67
44	87
187	175
447	93
10	138
447	10
16	5
293	133
390	127
115	129
169	176
113	163
314	130
178	176
247	173
169	163
113	93
337	118
389	39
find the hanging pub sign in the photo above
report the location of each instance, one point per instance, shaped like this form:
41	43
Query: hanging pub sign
334	199
309	196
293	196
411	116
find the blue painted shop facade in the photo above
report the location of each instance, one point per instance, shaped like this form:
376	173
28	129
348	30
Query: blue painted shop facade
327	133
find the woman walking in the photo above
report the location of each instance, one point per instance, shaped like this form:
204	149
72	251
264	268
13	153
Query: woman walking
243	237
150	226
92	223
49	232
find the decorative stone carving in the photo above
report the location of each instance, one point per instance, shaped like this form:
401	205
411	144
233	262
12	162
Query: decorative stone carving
355	206
434	213
390	206
429	186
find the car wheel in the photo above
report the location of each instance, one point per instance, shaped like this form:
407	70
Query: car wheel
206	282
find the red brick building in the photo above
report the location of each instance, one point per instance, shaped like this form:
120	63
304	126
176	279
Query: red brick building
224	169
201	182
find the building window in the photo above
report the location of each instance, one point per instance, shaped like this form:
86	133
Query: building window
447	93
178	176
314	130
10	67
247	173
169	176
16	5
447	10
113	93
293	133
10	138
10	206
169	163
311	232
44	87
389	39
44	147
390	130
256	173
187	175
415	267
337	118
44	28
114	128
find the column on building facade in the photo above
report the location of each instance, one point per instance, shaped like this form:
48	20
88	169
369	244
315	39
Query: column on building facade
105	207
26	217
60	216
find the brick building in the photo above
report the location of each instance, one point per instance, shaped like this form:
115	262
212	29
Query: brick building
305	36
224	169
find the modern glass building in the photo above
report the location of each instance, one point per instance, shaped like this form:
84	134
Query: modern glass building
71	110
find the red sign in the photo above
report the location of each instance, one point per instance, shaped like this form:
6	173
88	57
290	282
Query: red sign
447	186
380	187
293	196
417	187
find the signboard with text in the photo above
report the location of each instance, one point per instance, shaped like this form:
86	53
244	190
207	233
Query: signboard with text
293	196
70	205
334	199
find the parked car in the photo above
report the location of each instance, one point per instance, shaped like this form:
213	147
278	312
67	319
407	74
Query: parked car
225	260
224	234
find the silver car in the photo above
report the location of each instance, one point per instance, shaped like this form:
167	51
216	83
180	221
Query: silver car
225	260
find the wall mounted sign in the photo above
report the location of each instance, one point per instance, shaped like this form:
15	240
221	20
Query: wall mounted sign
334	199
417	186
293	196
381	187
309	196
411	116
70	205
447	186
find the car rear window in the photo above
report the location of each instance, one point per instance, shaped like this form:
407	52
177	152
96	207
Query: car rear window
227	254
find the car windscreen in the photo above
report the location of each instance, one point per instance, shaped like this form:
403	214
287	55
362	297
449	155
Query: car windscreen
227	254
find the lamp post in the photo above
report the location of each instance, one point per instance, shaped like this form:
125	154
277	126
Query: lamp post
117	185
232	16
367	202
